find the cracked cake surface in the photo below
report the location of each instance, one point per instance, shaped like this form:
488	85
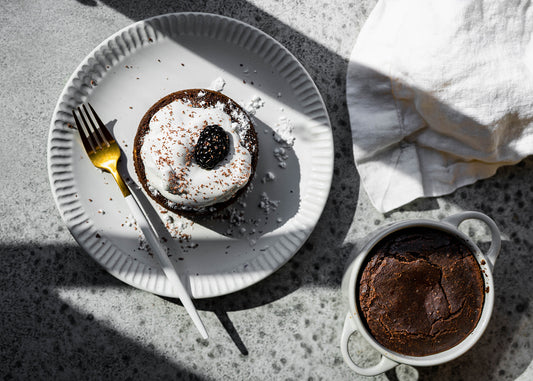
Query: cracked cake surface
421	291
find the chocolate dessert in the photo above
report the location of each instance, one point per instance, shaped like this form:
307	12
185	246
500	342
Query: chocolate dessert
195	151
421	291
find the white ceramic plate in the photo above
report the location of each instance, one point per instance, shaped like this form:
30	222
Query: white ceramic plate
133	69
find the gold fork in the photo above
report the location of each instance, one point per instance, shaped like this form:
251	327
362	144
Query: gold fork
104	153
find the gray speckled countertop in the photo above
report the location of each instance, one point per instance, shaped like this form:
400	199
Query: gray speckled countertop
63	317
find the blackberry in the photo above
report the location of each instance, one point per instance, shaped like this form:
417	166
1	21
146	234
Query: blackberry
212	146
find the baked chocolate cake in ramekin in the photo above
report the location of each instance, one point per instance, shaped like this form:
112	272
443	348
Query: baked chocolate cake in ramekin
421	291
195	151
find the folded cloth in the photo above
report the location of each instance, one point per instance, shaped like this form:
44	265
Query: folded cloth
440	95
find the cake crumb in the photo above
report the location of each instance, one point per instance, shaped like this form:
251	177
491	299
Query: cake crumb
268	205
283	132
268	177
254	104
218	84
281	156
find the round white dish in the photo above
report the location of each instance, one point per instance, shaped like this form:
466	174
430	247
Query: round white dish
137	66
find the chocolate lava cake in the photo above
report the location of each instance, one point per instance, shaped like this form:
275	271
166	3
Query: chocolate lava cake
421	291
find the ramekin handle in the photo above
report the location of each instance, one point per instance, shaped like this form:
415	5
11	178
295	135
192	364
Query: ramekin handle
348	330
496	241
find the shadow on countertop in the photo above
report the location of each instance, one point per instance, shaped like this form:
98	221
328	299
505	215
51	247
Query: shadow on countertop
38	339
43	337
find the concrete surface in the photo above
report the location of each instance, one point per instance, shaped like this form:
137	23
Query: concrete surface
63	317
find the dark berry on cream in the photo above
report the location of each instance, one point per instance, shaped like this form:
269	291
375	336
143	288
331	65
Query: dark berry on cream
212	147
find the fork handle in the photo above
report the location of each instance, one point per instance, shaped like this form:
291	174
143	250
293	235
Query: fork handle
166	264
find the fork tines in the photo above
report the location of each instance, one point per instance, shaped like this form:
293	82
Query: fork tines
93	132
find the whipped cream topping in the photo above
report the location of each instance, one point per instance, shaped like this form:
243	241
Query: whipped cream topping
168	155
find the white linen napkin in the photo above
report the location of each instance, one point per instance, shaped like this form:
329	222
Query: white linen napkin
440	94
